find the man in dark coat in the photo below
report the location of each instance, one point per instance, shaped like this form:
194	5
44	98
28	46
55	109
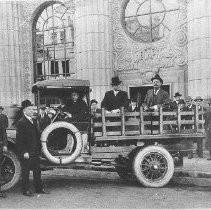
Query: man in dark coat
177	101
44	119
29	148
157	96
207	127
3	143
116	98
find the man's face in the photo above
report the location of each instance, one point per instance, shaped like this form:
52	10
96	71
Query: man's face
156	83
188	103
94	106
42	111
116	87
198	102
74	96
177	98
29	111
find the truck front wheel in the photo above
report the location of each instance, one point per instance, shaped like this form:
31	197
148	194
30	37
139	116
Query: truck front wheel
10	170
153	166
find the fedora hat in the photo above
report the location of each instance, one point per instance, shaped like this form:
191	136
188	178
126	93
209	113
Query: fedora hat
198	98
26	103
115	81
177	94
188	98
157	76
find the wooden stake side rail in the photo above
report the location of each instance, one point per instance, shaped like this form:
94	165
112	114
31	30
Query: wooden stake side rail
148	125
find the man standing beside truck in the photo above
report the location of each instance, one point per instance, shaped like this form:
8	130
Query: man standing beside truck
3	144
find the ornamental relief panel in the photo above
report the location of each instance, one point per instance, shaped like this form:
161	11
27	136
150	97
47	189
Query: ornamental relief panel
133	52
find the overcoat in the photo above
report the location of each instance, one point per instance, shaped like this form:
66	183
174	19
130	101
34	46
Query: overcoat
28	137
151	99
111	102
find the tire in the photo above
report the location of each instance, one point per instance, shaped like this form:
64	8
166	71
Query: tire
11	170
153	166
72	154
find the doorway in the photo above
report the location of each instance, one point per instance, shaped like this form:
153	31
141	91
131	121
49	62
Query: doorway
139	93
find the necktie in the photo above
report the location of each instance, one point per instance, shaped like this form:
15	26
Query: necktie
31	120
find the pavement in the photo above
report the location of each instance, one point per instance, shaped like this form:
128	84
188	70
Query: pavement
194	172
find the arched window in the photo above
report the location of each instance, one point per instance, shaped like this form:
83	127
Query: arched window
149	20
54	43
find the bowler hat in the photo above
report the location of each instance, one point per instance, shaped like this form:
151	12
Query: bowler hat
42	108
1	107
26	103
115	81
177	94
157	76
188	98
198	98
93	101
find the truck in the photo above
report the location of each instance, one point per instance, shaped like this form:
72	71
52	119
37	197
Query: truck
140	146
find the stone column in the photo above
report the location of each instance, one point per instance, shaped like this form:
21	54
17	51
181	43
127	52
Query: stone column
11	56
199	48
93	39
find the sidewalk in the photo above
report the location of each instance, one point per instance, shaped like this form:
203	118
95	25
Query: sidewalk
195	171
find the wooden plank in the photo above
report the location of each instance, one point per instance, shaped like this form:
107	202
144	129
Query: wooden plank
161	120
122	121
112	149
149	137
169	113
178	119
196	119
132	123
150	113
137	132
103	122
141	125
151	123
132	114
170	122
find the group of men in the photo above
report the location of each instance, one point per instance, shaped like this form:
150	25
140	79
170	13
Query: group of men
28	135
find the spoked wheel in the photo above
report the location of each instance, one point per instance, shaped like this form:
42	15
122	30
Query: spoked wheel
153	166
10	170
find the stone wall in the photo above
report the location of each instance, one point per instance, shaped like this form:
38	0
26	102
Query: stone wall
136	62
199	48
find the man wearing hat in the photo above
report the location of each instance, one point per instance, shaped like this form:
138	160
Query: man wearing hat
29	148
198	102
177	101
157	96
44	119
3	142
116	98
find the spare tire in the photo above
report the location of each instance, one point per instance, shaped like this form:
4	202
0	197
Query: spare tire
73	153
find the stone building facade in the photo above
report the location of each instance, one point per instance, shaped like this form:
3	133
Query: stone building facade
133	39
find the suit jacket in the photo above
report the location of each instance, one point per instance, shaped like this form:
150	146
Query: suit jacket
111	102
44	122
174	104
151	99
28	137
79	110
3	126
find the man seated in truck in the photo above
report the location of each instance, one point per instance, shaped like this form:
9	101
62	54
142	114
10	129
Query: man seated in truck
77	112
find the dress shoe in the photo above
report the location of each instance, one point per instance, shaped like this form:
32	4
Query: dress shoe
28	193
42	191
3	195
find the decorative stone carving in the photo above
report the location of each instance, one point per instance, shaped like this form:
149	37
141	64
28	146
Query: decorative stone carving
130	55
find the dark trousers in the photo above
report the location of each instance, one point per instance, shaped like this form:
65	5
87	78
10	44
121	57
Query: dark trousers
33	163
1	159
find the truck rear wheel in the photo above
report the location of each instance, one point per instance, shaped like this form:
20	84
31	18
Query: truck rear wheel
10	169
72	147
153	166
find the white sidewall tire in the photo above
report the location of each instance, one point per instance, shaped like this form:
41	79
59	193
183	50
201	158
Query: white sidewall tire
17	174
141	177
71	157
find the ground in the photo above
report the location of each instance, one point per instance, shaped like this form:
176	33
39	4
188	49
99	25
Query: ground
99	190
